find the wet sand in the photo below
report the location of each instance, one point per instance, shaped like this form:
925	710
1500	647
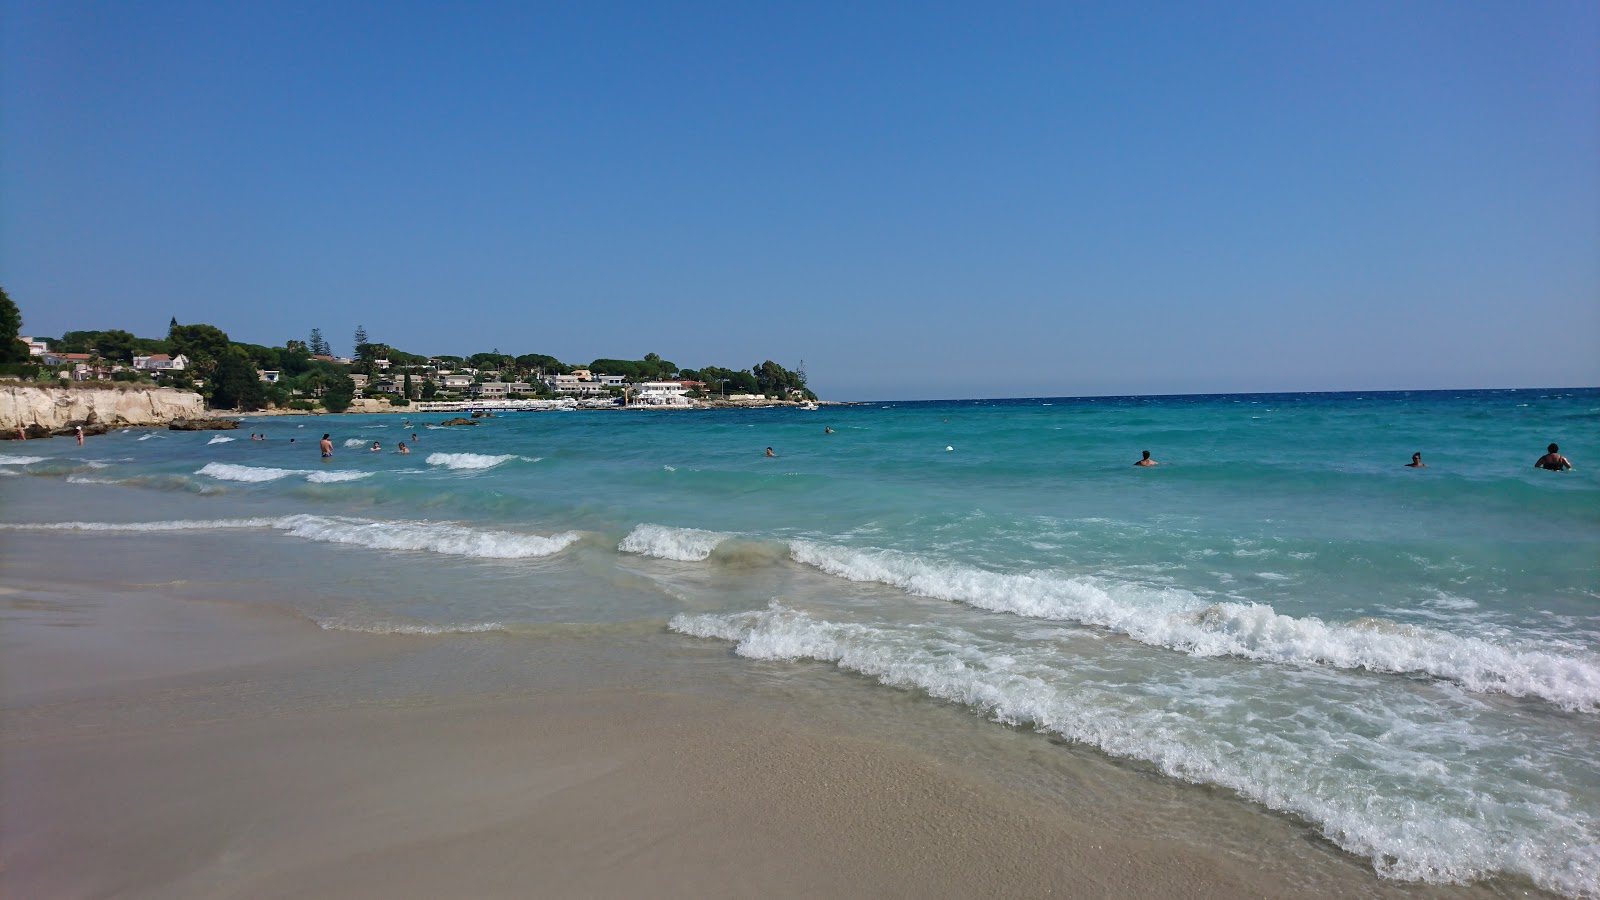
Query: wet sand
164	747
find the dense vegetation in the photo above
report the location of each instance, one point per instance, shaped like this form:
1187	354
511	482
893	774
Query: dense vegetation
227	371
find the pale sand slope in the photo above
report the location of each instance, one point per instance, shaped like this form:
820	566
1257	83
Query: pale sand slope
162	748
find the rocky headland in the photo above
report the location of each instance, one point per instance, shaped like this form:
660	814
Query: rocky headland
44	411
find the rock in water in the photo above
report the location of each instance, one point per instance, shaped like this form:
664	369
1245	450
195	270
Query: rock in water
203	425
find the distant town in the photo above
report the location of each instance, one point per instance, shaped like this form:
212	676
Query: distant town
304	375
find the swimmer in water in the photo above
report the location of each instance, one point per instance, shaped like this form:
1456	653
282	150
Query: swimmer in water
1416	462
377	447
770	454
1147	461
827	430
404	448
1553	460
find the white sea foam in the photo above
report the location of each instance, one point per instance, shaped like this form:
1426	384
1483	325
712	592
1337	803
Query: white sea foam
356	442
220	439
1177	619
247	474
665	542
167	525
1441	830
86	479
146	437
408	629
335	476
10	460
262	474
447	538
468	460
435	537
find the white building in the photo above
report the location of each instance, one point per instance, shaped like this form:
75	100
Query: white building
571	384
660	393
161	362
35	348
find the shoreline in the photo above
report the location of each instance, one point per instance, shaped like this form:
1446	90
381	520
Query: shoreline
208	744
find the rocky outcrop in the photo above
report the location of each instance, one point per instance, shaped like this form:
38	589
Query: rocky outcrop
458	421
47	410
203	425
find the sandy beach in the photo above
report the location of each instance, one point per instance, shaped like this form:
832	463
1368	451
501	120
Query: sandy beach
165	747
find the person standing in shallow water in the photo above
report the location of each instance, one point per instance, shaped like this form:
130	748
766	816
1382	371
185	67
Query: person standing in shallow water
1416	462
327	447
1553	460
1147	461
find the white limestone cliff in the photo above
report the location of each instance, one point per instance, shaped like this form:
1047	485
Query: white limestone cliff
54	409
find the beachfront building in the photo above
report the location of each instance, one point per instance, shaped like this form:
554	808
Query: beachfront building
610	380
574	386
455	382
661	393
161	362
489	390
35	347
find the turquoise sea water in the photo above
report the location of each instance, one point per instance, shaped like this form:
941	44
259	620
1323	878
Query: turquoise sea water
1406	659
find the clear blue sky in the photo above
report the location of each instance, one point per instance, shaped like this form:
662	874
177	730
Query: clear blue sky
919	200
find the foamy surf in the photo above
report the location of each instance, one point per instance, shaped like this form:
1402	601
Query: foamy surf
1440	828
409	629
445	538
1177	619
468	461
263	474
336	476
12	460
665	542
220	439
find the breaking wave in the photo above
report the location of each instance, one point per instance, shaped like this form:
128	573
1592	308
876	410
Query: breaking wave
262	474
446	538
468	460
665	542
356	442
1179	620
335	476
10	460
221	439
1440	830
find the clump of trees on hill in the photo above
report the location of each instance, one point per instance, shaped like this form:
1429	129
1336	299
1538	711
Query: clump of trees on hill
227	372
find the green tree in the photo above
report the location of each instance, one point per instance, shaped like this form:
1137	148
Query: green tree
116	345
361	338
429	389
317	345
234	383
406	386
341	390
205	345
11	349
544	365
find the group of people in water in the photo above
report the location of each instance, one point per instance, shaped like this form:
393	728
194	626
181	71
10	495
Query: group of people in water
377	446
1552	460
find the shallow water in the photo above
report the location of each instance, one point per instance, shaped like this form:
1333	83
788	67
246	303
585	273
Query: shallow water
1408	660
